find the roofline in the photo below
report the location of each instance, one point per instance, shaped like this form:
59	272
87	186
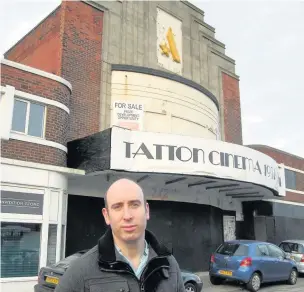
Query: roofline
194	7
19	41
276	149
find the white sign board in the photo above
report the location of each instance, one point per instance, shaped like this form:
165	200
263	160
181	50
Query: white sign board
169	42
128	115
137	151
229	228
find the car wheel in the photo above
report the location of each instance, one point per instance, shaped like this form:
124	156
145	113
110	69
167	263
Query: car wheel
254	283
216	280
189	287
293	277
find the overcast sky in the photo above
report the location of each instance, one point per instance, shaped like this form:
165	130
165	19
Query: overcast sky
266	38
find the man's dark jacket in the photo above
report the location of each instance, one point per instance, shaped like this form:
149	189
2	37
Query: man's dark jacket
102	270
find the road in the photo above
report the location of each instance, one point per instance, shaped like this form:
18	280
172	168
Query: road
278	287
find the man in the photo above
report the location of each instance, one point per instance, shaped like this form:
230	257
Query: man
128	258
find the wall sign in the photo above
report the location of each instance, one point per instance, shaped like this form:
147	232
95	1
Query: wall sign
128	115
169	42
166	153
229	227
21	203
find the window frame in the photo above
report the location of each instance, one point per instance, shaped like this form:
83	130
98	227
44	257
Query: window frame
31	277
290	178
28	109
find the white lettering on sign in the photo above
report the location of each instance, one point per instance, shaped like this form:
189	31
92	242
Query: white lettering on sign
128	115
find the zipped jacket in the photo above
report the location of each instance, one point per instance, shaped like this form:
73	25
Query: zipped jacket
102	270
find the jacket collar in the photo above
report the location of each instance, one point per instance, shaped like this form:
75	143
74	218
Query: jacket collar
106	247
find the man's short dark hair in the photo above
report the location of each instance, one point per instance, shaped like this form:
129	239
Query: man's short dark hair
106	193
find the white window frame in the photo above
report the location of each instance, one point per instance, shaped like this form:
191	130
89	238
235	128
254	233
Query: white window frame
28	102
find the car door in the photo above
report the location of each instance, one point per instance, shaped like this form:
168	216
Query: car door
264	262
280	265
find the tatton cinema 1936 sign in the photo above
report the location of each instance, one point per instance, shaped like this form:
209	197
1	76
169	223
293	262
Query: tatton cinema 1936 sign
166	153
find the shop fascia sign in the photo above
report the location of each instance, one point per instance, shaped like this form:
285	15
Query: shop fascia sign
156	152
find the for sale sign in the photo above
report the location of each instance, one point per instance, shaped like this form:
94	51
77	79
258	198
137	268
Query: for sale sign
128	115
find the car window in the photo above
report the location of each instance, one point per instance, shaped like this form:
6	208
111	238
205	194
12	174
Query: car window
292	247
295	247
242	250
275	251
285	246
233	249
262	250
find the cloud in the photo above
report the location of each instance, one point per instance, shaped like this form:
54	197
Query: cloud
253	119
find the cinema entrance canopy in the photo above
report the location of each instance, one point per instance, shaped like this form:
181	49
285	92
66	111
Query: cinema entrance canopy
173	167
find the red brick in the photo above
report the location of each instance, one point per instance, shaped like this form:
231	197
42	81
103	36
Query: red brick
32	152
69	43
289	160
281	156
41	47
81	65
56	129
294	197
232	110
35	84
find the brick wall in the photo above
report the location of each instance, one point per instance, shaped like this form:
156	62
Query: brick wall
56	119
81	65
294	197
69	43
35	84
41	47
288	160
232	110
26	151
281	156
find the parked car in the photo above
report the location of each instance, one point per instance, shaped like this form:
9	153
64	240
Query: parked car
295	250
251	263
50	276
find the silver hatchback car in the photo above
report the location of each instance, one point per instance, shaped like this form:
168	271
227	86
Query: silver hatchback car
295	250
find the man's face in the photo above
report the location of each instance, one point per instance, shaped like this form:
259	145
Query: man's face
127	213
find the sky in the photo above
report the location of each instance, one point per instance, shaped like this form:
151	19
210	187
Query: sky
266	38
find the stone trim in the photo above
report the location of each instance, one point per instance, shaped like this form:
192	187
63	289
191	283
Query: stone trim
37	72
36	140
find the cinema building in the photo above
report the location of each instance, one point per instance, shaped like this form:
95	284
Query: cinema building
101	90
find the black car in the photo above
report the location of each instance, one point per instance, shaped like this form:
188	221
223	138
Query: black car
49	276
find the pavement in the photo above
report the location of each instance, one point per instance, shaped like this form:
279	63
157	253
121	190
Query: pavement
232	287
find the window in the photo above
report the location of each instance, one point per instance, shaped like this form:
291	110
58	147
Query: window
262	251
285	246
20	249
290	179
28	118
52	243
275	252
292	247
233	249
